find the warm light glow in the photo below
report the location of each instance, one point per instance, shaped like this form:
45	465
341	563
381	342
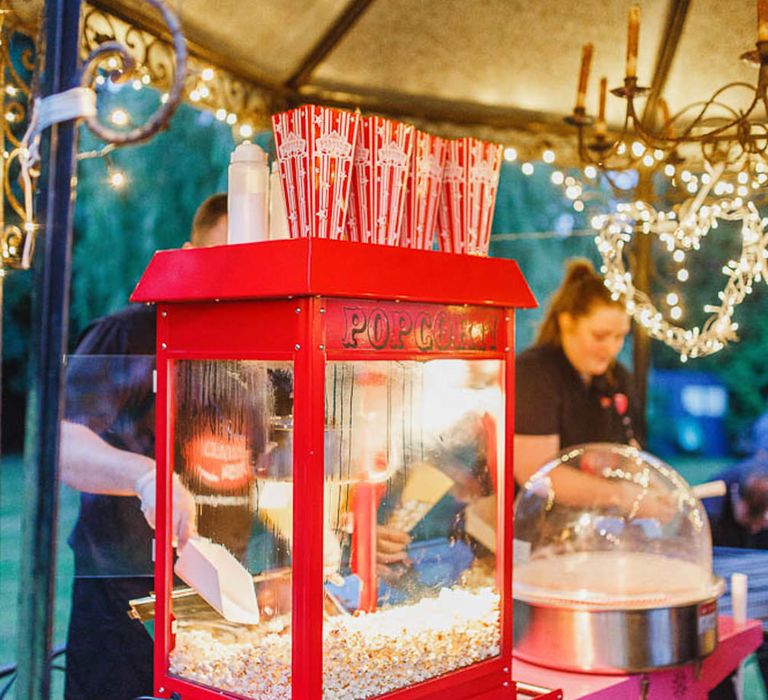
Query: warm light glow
676	313
638	149
672	299
669	170
510	154
119	117
246	131
578	205
231	119
557	178
591	172
527	168
682	275
221	114
678	256
207	74
117	179
548	156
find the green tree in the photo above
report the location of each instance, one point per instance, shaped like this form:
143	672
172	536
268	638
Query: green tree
118	229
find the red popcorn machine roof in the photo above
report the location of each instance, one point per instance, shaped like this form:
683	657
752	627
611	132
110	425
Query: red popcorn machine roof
310	267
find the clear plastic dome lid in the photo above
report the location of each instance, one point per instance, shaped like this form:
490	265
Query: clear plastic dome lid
611	526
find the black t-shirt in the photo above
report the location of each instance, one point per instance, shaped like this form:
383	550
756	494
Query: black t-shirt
109	389
552	399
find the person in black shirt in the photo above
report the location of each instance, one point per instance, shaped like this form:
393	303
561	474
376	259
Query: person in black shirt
107	453
570	389
740	517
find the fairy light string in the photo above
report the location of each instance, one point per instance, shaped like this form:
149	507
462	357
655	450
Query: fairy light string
680	237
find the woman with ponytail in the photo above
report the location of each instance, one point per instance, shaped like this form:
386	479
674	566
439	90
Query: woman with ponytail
569	387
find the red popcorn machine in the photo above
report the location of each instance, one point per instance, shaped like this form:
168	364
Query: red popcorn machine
342	416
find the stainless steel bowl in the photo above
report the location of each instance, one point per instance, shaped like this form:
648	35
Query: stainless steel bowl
605	639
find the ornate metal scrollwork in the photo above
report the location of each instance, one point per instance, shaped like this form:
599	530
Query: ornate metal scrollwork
113	49
17	63
106	49
230	98
167	61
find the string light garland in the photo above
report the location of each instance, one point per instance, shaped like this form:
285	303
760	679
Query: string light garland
681	237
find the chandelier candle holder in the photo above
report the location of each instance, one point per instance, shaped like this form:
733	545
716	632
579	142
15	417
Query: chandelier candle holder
468	196
315	147
710	131
423	191
381	165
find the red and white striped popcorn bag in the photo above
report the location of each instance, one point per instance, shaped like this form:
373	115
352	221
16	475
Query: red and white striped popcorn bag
381	162
423	191
468	196
315	146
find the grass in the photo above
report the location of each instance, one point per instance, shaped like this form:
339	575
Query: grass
11	509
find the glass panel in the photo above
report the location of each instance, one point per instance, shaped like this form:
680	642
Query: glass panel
413	457
230	453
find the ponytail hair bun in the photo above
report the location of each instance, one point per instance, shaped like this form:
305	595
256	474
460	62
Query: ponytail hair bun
580	291
579	270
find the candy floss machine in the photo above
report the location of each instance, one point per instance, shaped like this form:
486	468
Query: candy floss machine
341	415
612	565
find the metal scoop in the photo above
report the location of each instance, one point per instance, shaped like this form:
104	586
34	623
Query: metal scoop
220	579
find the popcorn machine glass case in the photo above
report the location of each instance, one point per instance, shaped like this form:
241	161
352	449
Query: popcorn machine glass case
341	415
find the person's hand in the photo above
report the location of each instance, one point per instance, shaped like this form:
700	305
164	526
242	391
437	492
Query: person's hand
391	555
660	505
649	503
331	555
182	506
391	544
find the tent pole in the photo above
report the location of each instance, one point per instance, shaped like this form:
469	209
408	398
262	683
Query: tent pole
642	275
49	343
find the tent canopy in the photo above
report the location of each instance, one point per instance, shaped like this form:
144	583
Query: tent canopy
503	69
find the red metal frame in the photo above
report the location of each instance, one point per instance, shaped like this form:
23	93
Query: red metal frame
283	301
